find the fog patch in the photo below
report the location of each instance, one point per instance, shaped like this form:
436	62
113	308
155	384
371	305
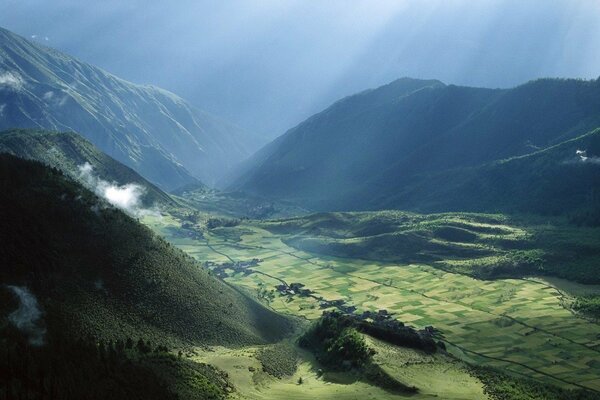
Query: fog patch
57	98
12	80
63	101
26	318
583	157
36	37
127	197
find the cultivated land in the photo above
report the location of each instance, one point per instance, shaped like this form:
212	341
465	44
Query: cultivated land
522	326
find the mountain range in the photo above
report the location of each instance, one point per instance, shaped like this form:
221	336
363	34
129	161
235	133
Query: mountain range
427	146
160	135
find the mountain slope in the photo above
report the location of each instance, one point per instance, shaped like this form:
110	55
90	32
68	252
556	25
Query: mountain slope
69	151
95	271
149	129
555	180
375	144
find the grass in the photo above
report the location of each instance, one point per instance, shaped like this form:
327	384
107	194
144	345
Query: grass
484	246
517	325
245	372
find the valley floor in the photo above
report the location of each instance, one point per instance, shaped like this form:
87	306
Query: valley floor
518	325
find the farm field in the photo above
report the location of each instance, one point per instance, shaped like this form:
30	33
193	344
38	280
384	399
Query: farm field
517	325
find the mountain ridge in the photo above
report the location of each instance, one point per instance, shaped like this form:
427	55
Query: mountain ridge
69	152
366	144
157	133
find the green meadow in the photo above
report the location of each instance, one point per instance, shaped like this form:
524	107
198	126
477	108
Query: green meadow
522	326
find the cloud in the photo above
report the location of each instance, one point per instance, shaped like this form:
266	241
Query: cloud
45	38
48	95
27	317
583	157
2	107
127	197
11	80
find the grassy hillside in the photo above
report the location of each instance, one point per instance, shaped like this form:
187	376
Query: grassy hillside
149	129
95	272
481	245
423	145
68	151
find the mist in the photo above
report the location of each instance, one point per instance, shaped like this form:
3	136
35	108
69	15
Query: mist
127	197
27	317
267	65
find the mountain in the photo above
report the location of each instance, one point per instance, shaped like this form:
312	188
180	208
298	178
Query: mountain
560	179
376	148
153	131
69	152
109	275
76	268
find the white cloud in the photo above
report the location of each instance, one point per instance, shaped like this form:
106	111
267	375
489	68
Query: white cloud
48	95
583	157
11	80
127	197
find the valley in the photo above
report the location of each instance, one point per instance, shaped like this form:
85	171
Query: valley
414	239
522	326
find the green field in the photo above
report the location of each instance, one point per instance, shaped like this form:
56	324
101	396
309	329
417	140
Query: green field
446	378
517	325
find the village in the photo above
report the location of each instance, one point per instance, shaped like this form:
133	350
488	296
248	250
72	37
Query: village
380	322
224	270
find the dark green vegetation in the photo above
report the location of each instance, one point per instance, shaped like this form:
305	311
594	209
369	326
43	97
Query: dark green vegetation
95	272
337	343
588	305
149	129
339	346
430	147
552	181
85	368
500	386
279	360
115	277
68	151
484	246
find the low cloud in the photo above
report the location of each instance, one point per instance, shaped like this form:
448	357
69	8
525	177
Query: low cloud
583	157
127	197
28	316
11	80
45	38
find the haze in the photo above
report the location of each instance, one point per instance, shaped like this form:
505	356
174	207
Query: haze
267	65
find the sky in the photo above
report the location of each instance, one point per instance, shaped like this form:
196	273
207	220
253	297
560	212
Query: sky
266	65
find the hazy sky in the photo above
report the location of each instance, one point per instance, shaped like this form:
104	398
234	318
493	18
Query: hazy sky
266	65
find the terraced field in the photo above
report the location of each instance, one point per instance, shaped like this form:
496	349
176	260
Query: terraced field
518	325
